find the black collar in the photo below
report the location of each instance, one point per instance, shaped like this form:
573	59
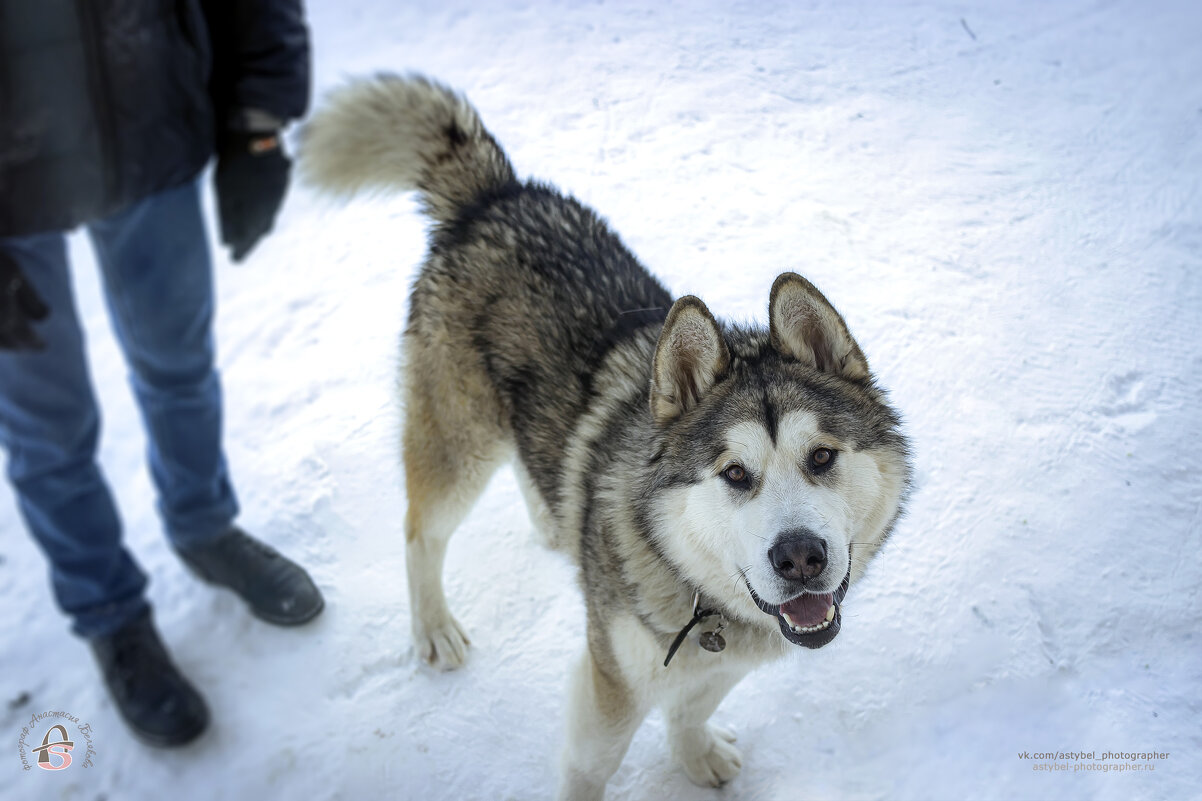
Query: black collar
699	614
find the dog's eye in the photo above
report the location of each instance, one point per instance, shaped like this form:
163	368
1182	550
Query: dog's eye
822	459
736	476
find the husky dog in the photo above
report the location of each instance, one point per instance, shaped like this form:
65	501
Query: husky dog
719	486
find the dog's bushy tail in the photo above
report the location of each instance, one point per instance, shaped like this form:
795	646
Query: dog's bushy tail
394	132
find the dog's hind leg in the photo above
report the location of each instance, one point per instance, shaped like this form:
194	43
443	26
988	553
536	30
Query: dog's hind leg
452	443
705	751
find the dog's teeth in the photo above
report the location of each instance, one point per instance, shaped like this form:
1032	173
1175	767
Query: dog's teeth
825	624
811	629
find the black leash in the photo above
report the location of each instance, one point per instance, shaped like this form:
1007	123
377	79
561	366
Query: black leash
710	640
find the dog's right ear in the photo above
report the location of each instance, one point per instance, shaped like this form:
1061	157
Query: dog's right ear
690	357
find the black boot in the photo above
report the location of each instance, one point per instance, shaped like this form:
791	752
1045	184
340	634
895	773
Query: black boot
153	697
276	589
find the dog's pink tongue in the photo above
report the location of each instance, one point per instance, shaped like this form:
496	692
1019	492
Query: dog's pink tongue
807	610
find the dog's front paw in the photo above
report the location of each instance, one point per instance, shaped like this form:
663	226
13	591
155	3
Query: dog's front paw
708	756
442	644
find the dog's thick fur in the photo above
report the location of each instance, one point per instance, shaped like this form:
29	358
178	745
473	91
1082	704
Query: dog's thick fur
667	453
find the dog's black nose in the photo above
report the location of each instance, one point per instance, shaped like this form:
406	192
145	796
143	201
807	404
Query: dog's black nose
798	555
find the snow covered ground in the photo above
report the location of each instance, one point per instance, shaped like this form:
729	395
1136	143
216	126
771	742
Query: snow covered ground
1003	199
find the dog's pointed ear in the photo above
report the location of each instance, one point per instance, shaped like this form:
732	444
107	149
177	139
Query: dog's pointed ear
690	357
803	325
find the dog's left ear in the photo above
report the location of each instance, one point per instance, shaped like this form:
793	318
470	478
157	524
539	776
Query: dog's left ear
690	357
804	325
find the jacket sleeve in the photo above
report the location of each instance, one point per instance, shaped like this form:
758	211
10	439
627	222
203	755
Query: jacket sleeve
260	51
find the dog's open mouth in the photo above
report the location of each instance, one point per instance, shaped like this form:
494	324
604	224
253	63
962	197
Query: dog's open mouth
810	619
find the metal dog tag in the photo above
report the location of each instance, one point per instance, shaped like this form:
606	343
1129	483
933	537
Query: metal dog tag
712	641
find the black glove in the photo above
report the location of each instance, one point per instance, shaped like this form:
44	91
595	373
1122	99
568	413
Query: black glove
252	176
19	306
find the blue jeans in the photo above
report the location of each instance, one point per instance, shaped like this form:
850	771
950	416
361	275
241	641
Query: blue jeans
158	285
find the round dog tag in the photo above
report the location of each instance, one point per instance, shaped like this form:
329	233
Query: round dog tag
712	641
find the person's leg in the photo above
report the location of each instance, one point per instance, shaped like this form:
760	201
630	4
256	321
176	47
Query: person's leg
158	281
49	425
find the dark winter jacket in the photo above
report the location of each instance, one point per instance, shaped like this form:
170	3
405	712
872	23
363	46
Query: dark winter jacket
104	102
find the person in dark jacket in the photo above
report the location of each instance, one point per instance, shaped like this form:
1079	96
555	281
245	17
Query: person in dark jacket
109	111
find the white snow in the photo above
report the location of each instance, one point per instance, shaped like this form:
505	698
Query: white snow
1004	201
